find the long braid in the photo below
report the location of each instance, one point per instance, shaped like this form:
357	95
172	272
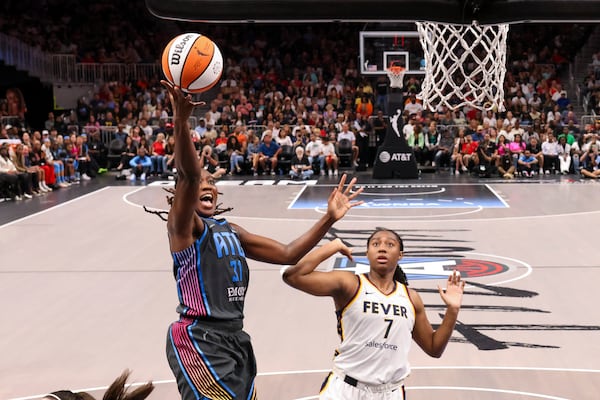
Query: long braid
400	276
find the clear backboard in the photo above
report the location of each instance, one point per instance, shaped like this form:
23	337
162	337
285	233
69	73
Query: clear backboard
379	49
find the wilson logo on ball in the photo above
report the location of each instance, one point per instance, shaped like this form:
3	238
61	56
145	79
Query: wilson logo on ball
193	62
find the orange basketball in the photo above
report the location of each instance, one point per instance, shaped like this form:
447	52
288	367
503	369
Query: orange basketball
193	62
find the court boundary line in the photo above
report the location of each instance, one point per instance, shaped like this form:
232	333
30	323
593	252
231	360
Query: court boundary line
54	207
319	371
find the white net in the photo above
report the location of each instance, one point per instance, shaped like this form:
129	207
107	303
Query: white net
464	65
396	75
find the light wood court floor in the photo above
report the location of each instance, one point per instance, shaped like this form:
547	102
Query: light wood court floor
86	287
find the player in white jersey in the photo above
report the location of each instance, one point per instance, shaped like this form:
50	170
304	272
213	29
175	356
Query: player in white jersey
378	315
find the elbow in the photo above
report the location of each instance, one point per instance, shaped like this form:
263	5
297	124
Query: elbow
437	354
288	277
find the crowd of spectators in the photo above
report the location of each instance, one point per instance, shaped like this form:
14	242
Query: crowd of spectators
289	87
591	85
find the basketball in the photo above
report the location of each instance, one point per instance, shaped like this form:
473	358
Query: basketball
193	62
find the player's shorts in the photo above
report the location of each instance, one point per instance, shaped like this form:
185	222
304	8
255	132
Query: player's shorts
211	360
339	387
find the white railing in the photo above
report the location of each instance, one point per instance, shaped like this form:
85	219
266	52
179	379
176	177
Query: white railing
24	57
64	68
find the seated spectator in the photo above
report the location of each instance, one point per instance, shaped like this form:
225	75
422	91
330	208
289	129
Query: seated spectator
590	167
252	152
416	141
209	161
516	148
456	157
470	158
221	142
209	136
92	125
433	138
568	134
37	158
301	166
443	154
550	155
116	391
201	128
504	163
98	154
314	151
85	165
57	164
17	159
59	153
477	135
564	156
487	153
141	165
537	151
527	164
235	153
590	143
21	161
120	133
330	155
300	137
268	152
169	158
346	133
19	183
282	138
130	151
157	154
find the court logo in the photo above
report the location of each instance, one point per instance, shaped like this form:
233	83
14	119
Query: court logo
421	268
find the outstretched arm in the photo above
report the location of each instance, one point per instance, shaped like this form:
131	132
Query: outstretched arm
339	284
268	250
434	342
181	222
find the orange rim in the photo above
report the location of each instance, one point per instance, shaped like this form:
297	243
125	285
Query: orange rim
396	69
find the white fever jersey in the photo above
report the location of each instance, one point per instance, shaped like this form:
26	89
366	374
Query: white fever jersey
376	333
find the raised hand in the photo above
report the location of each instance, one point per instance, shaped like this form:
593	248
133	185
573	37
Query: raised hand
453	294
181	102
341	199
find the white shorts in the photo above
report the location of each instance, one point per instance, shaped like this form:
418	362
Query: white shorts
346	388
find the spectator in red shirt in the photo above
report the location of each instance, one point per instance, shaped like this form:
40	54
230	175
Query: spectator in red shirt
469	153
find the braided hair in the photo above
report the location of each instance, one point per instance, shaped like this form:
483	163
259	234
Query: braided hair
162	214
116	391
399	274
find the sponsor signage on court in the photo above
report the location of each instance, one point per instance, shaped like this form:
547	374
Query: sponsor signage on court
421	268
381	196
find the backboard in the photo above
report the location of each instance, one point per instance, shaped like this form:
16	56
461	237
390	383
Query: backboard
378	49
450	11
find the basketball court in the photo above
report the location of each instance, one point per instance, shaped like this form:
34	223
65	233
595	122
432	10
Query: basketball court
93	292
86	277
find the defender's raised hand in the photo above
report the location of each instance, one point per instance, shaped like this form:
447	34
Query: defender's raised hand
341	199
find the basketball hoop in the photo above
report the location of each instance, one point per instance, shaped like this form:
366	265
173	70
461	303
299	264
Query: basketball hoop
396	75
464	65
